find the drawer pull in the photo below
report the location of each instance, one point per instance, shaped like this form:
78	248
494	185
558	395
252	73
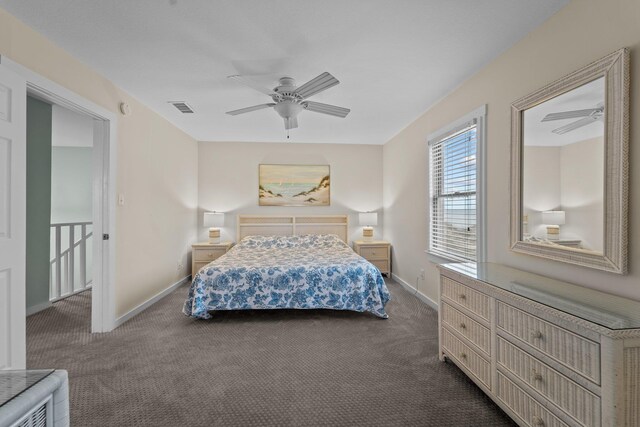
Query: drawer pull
537	421
463	326
537	376
462	296
463	355
536	335
210	254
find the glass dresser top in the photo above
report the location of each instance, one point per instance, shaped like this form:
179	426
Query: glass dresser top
610	311
13	383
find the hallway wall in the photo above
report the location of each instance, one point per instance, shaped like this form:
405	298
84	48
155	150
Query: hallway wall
38	202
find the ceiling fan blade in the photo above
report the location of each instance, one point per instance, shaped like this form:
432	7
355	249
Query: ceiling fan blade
323	82
253	85
250	109
331	110
291	123
575	125
569	114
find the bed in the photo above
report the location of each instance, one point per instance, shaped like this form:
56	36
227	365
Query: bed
288	263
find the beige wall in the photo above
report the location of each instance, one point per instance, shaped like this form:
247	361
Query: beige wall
228	180
583	31
156	170
567	178
541	185
582	192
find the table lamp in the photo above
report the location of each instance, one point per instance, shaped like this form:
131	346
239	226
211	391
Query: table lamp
368	220
553	220
214	220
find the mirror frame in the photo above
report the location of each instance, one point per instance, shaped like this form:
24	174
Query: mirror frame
615	69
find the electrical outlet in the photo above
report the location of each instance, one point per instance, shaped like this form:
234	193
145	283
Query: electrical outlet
422	277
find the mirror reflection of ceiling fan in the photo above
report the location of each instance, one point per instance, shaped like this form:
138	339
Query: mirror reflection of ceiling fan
290	100
589	115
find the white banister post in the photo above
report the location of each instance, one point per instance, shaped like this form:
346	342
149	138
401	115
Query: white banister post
72	253
83	256
65	289
52	289
58	263
62	272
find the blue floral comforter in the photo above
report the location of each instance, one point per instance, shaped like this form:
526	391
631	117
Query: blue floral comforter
302	272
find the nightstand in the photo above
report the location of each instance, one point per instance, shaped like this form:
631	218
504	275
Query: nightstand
203	253
377	252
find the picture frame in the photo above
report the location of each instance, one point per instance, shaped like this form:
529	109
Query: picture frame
294	185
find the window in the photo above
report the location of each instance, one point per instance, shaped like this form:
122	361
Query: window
456	196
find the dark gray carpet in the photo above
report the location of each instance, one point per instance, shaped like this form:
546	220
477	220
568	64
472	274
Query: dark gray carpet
258	368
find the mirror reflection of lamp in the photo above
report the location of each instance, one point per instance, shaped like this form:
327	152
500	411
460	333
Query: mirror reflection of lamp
553	220
214	220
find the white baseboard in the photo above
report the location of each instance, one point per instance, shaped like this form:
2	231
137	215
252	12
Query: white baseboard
148	303
422	297
38	307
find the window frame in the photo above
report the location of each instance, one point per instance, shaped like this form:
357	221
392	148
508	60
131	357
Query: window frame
476	117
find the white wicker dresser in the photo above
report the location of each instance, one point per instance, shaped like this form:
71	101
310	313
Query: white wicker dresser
549	353
34	398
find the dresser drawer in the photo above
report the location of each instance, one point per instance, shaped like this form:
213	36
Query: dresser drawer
374	252
466	356
208	254
472	300
467	327
577	353
575	400
525	406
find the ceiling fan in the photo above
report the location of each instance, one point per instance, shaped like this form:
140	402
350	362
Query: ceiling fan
290	100
589	115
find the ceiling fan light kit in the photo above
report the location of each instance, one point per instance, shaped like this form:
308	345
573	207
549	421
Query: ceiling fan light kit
290	100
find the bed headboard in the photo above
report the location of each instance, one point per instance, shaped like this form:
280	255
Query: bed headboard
293	225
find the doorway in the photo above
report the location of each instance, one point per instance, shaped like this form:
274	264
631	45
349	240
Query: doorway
23	81
59	227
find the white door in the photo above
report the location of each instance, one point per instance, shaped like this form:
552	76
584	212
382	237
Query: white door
13	192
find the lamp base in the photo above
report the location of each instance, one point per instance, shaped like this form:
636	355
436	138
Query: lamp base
214	235
553	232
367	234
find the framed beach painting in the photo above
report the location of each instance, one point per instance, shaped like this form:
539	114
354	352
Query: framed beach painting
294	185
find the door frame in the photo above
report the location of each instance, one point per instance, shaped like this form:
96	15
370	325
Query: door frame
103	313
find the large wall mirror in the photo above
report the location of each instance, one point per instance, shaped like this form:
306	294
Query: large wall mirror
569	184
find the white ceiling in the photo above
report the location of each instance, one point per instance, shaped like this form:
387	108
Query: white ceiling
394	58
539	133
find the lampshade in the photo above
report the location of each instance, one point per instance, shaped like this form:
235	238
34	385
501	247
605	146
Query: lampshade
368	218
213	219
553	217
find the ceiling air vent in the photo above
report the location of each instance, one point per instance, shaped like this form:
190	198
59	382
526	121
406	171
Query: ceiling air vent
182	107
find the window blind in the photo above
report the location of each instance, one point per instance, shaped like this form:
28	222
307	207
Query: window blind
452	160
